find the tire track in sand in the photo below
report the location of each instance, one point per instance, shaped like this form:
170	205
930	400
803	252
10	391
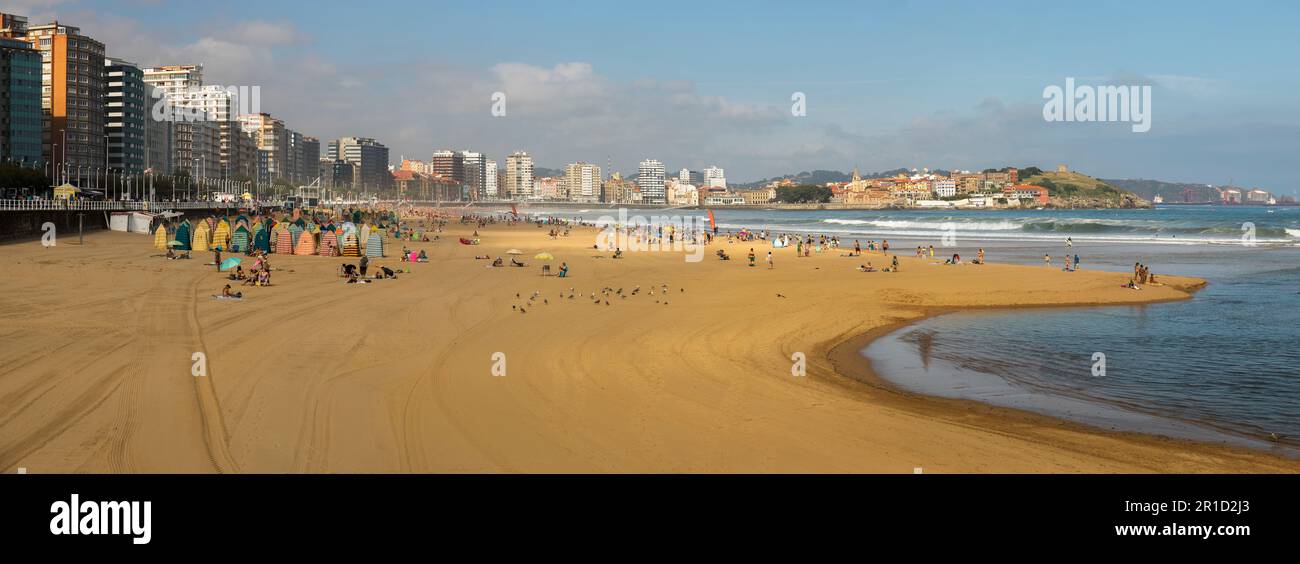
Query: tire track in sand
214	424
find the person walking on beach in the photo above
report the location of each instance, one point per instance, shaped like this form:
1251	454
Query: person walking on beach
216	251
770	265
980	259
1076	262
1069	242
1047	260
751	257
931	252
365	263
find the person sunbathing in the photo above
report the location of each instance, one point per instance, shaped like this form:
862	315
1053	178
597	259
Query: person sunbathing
424	257
226	293
514	262
866	268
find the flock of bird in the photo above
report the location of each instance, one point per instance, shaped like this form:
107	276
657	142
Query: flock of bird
604	296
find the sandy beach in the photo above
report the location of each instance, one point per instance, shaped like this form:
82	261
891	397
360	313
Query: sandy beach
314	375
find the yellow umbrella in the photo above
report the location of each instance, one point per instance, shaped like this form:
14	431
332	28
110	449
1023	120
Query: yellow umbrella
544	256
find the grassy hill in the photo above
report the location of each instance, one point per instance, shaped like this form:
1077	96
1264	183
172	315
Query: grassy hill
1076	190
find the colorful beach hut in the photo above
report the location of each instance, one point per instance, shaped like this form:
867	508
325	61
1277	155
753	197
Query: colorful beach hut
375	244
350	246
262	239
202	234
239	240
160	238
329	244
306	244
221	235
183	233
283	241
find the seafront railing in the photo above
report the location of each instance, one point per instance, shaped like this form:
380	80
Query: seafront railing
96	205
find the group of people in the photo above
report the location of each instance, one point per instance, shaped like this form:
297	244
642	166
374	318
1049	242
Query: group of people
1141	275
259	275
1071	262
358	274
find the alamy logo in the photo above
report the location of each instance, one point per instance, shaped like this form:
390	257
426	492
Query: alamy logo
1100	103
76	517
244	100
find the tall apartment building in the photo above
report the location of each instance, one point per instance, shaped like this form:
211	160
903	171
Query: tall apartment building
370	158
158	146
715	177
490	179
310	158
582	182
20	100
220	106
443	163
72	97
469	168
243	157
650	179
473	168
200	119
269	135
519	175
125	110
173	80
293	164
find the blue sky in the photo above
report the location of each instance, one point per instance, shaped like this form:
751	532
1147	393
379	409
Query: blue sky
888	84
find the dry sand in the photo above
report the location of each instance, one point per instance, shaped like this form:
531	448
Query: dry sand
313	375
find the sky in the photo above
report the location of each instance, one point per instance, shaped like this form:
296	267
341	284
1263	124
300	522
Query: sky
886	84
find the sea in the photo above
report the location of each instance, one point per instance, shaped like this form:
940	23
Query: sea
1221	367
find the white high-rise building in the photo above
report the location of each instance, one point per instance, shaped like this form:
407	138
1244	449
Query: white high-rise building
519	175
715	177
650	179
490	180
174	80
684	176
582	182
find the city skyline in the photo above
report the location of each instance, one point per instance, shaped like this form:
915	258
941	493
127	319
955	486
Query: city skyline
952	99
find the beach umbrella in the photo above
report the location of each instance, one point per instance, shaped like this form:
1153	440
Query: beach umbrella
174	243
514	252
544	256
230	263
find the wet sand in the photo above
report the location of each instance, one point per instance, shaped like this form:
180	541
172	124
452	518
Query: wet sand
314	375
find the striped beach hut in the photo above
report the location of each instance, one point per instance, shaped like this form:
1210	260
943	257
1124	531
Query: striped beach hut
329	244
375	244
295	231
283	242
350	246
221	235
202	234
306	244
183	232
240	239
160	238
